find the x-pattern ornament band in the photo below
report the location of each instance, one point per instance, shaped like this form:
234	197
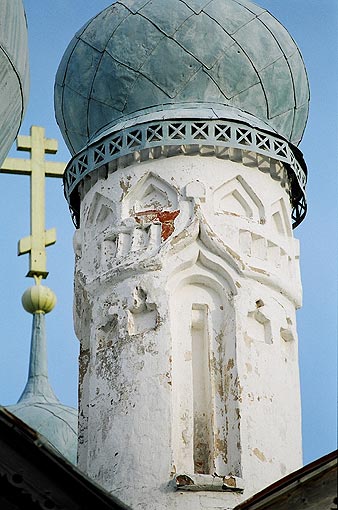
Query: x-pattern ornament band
176	131
200	130
165	133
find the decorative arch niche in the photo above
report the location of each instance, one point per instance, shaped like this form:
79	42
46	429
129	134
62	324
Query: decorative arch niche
101	213
280	218
204	372
237	197
150	193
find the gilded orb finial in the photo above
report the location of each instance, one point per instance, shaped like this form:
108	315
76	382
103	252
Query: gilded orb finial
38	298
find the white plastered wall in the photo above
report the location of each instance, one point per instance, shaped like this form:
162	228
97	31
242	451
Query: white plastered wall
159	300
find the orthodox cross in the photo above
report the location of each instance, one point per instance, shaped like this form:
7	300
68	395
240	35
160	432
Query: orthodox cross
37	168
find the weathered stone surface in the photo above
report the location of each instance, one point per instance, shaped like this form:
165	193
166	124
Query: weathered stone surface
186	329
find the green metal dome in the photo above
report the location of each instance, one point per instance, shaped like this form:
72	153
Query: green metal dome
57	422
38	405
142	56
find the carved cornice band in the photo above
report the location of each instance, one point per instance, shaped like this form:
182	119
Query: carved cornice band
187	132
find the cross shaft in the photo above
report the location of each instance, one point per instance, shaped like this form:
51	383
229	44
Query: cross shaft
37	168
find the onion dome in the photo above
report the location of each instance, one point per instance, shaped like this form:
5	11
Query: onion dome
38	405
140	54
141	61
14	72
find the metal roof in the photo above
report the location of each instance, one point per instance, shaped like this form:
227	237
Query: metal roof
313	487
138	55
33	474
38	405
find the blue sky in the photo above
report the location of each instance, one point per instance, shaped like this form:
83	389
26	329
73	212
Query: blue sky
313	24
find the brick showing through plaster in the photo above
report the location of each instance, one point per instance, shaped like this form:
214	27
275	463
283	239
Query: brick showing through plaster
166	218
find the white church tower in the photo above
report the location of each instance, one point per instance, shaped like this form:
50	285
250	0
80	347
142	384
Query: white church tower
183	119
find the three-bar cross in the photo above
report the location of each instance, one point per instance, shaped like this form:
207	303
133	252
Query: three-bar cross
37	168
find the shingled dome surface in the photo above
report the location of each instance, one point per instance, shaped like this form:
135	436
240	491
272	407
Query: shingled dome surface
55	421
151	55
14	72
38	405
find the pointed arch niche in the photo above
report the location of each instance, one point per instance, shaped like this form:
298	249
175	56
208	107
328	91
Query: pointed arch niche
280	218
237	197
205	434
101	214
151	192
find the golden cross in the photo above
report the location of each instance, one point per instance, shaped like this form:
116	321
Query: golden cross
37	168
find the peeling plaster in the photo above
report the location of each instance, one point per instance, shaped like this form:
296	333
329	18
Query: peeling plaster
140	298
260	455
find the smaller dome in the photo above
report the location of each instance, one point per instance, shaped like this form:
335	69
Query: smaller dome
38	299
38	405
55	421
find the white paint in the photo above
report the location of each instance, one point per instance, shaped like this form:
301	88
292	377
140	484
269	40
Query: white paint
195	331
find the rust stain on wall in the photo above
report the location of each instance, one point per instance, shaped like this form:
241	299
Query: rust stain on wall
125	186
221	448
229	481
260	455
231	364
83	363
